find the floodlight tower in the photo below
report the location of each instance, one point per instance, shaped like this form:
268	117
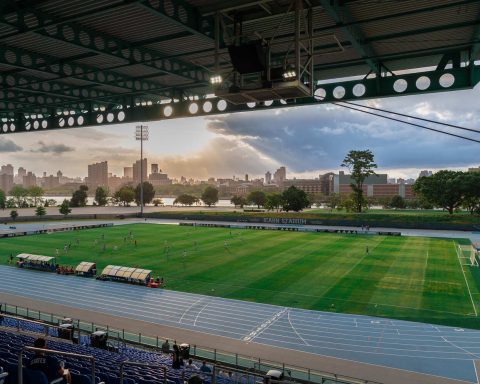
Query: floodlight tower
141	133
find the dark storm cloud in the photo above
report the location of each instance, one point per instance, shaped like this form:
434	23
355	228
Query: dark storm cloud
311	138
57	149
7	145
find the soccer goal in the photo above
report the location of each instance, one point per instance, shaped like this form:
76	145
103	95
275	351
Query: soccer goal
469	254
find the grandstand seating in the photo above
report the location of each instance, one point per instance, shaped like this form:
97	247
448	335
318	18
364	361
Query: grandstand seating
107	363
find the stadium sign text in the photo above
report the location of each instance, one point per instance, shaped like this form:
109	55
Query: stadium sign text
276	220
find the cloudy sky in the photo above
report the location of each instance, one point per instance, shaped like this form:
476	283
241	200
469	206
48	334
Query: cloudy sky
307	140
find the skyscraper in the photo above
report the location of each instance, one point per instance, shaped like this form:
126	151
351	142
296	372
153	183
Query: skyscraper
280	175
7	169
154	168
136	171
128	172
29	180
268	178
98	175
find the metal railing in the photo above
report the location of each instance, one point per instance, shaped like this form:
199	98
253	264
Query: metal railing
133	363
52	352
215	356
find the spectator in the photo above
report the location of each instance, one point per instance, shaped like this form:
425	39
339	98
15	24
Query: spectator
190	366
48	364
205	368
176	357
166	347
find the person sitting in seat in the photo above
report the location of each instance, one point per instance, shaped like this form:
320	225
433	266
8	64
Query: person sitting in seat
191	366
48	364
176	364
205	368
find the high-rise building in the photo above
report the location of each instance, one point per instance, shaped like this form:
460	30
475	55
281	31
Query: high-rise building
98	175
246	177
154	168
425	173
29	180
477	169
59	174
6	182
21	172
128	172
268	177
137	166
50	182
280	175
7	169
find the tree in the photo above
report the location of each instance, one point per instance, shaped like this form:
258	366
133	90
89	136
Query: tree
40	211
125	195
101	196
294	199
397	202
157	202
333	200
36	193
3	199
185	199
19	195
471	197
65	208
238	201
443	189
13	215
210	196
79	197
148	193
361	165
273	201
257	197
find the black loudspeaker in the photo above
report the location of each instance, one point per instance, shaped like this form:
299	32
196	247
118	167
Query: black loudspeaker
248	58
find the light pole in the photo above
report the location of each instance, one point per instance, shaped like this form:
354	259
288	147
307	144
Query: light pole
141	133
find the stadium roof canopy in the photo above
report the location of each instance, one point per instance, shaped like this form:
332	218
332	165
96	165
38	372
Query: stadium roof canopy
67	63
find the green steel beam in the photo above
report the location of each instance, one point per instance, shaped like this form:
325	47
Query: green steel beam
28	19
353	32
388	86
23	59
182	14
78	35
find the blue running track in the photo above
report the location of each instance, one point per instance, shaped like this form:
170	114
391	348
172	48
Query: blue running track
436	350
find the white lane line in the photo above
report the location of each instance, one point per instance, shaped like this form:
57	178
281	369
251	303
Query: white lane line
462	349
198	314
475	368
190	307
294	330
262	327
465	277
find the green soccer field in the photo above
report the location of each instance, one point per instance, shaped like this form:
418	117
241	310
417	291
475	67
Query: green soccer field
410	278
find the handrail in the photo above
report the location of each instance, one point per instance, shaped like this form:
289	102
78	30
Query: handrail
134	363
52	352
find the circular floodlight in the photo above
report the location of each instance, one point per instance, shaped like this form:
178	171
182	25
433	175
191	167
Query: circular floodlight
359	90
400	85
446	80
222	105
168	111
193	108
422	83
207	107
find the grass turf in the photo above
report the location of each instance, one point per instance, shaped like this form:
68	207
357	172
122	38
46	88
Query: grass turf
409	278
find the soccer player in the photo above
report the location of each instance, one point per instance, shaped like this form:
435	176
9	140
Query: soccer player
366	250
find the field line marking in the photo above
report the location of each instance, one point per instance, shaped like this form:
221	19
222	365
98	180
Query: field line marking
475	368
462	349
294	330
198	314
190	307
465	277
262	327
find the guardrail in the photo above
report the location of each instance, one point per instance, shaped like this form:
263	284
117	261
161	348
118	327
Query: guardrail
52	352
215	356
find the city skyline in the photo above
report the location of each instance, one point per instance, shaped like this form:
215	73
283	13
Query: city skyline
308	141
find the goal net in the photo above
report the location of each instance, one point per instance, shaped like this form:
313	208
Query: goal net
468	255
